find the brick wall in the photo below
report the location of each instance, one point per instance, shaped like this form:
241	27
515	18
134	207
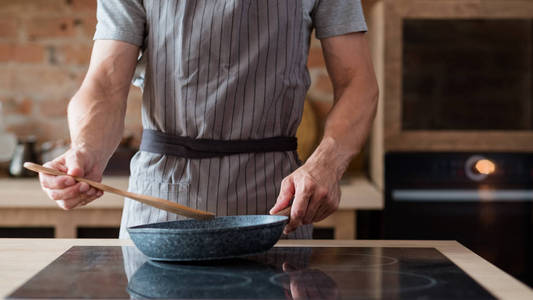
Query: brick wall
44	52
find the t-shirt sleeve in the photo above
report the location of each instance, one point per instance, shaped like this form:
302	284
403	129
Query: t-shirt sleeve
338	17
122	20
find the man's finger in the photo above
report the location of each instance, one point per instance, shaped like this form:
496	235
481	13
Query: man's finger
84	187
86	199
312	208
57	164
70	204
64	194
322	213
326	209
55	182
90	193
299	207
285	195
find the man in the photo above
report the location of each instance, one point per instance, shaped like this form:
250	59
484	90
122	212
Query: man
223	94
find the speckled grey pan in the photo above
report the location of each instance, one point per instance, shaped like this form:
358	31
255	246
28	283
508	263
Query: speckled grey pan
219	238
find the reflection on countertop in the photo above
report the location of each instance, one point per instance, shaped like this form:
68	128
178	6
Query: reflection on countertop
280	273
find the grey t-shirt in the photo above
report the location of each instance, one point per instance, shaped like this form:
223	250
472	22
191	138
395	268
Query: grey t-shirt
125	20
225	70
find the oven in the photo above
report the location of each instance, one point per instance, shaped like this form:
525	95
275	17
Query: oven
482	200
455	127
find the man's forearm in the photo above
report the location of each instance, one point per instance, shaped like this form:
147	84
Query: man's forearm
356	95
96	112
347	125
96	123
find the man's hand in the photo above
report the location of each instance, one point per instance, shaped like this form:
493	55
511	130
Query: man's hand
313	188
316	193
64	189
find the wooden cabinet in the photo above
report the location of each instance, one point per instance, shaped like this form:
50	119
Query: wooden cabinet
399	136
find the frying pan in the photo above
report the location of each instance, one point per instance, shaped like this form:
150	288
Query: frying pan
206	238
218	238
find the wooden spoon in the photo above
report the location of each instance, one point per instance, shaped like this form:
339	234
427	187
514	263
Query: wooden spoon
148	200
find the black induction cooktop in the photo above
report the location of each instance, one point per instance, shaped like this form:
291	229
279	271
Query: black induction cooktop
281	273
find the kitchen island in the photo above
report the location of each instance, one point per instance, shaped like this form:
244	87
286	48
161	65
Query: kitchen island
21	259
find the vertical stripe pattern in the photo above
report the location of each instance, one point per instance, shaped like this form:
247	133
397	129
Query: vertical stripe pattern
220	69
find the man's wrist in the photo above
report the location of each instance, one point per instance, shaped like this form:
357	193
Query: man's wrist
100	158
331	156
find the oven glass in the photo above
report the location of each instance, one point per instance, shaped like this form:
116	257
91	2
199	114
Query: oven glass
467	74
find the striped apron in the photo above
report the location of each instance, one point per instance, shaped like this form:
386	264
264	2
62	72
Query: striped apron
230	70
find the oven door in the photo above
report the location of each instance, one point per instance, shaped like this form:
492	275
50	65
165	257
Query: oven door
431	197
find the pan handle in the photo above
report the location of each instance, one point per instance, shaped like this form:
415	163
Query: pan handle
285	212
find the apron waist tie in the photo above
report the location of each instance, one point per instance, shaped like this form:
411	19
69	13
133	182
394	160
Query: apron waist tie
163	143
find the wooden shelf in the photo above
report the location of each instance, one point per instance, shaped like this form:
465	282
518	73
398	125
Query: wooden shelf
19	193
357	193
360	193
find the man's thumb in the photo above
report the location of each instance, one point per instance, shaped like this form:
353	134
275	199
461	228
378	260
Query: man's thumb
285	196
74	166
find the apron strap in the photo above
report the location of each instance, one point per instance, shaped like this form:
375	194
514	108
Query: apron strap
163	143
